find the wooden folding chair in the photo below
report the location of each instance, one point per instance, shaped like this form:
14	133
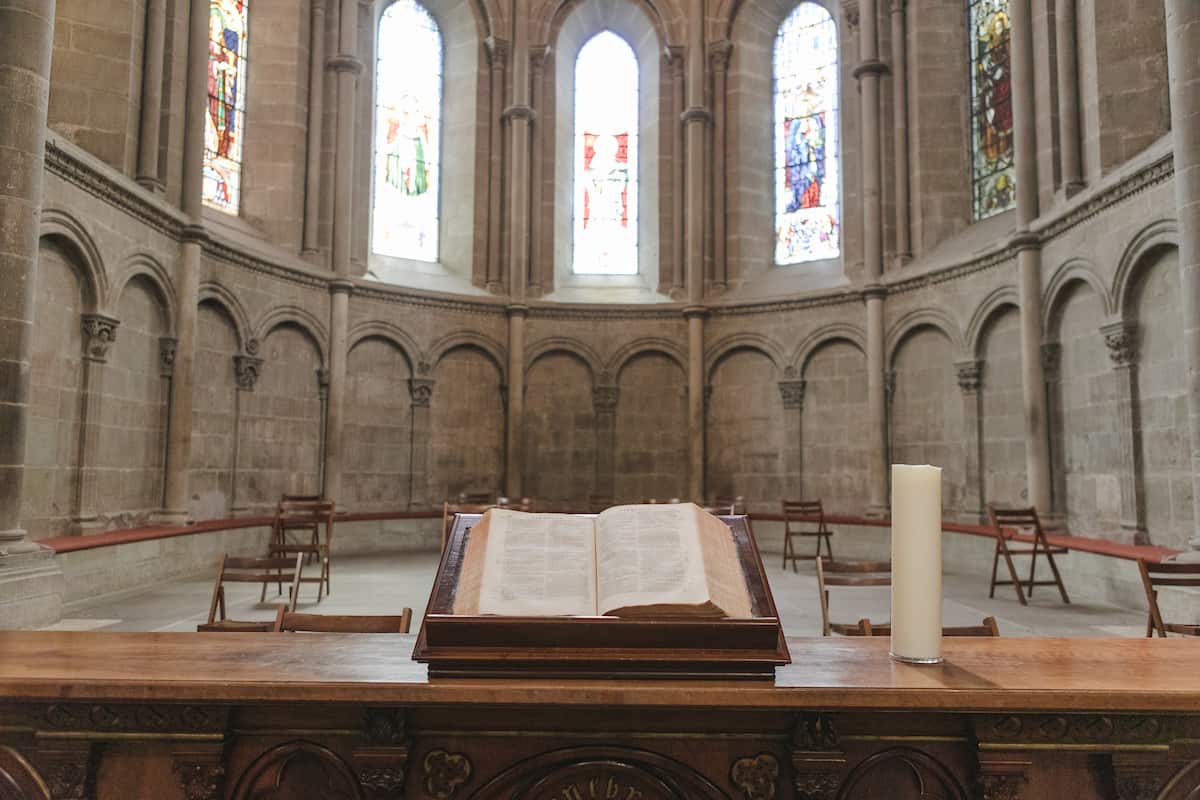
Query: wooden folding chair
847	573
1168	574
477	498
333	623
310	516
1005	519
988	628
799	512
251	570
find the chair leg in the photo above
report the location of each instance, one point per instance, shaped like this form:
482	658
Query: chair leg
1013	572
786	540
829	546
1032	567
1062	589
995	565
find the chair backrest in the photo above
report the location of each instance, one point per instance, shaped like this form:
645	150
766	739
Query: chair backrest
232	569
794	510
1170	573
335	623
735	503
987	628
524	504
299	498
1014	518
847	573
231	626
476	498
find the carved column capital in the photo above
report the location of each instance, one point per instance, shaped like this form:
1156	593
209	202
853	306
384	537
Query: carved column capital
889	384
323	382
970	375
793	393
605	398
718	55
538	55
850	13
345	63
1121	340
1051	361
708	393
498	51
421	390
99	332
167	346
673	58
246	370
898	6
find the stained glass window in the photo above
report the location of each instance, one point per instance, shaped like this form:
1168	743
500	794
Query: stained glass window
992	172
408	113
226	119
606	157
807	178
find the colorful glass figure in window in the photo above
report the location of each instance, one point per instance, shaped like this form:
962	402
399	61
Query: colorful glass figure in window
807	178
225	121
606	158
992	170
408	102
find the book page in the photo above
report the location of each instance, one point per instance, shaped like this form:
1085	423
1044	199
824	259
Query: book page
722	567
649	555
538	565
470	572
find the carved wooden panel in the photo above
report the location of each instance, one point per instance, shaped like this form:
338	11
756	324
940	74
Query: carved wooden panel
902	773
1184	785
18	779
298	771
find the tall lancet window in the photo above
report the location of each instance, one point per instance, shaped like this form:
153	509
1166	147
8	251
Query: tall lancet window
408	111
807	171
225	121
606	158
993	176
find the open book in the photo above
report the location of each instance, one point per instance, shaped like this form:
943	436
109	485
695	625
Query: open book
630	561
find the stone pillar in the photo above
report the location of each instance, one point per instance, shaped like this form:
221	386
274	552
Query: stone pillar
718	59
673	60
900	156
179	430
695	119
1068	96
152	81
322	427
889	436
519	116
246	369
1121	340
970	374
316	111
541	273
167	346
1052	374
604	398
792	391
99	333
1183	58
335	405
697	398
1029	257
421	394
497	70
877	406
515	430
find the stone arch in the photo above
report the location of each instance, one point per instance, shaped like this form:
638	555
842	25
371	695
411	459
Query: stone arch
63	227
148	268
485	344
833	332
743	341
300	319
923	318
571	346
1074	270
669	33
997	301
1147	243
216	294
648	344
390	333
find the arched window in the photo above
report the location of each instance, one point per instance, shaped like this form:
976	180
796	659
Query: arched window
408	109
606	158
992	174
807	176
226	118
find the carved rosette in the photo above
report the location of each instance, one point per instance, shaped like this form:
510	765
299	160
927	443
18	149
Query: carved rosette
793	393
1121	340
99	332
1099	730
756	776
445	773
605	398
970	375
421	390
246	370
382	782
166	356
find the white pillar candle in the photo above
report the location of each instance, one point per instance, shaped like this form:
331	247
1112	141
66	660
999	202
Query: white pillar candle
916	563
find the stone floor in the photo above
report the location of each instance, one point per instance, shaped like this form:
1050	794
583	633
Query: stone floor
385	583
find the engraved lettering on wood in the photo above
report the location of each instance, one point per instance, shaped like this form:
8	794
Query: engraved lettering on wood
756	776
445	773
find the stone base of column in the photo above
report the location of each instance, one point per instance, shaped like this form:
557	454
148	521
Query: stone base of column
86	525
31	589
168	516
877	512
1055	521
151	184
1132	534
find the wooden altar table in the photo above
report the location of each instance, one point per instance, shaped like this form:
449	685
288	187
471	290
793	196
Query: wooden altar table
350	716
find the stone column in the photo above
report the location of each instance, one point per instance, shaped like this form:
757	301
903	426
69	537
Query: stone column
877	405
900	155
1183	58
889	436
515	430
519	116
1029	258
322	427
179	431
152	81
1068	96
335	405
30	583
421	394
696	402
498	68
718	59
1121	340
695	119
99	333
674	62
1052	374
792	391
970	374
167	346
540	272
246	369
604	398
313	144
